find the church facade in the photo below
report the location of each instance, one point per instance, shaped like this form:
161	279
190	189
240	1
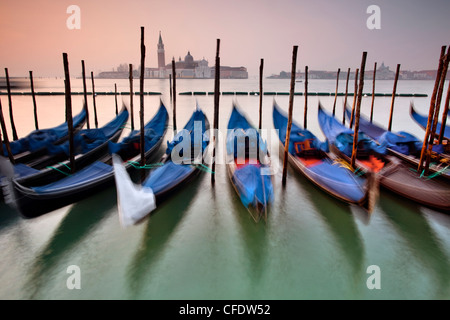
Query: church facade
189	68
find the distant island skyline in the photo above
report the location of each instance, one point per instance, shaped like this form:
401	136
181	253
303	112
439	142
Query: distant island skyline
383	73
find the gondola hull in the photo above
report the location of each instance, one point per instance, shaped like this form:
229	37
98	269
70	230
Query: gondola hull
249	174
397	177
333	179
27	197
136	201
412	159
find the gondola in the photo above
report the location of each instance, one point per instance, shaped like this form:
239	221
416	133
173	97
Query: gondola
248	165
182	162
422	122
90	145
34	198
311	158
405	146
391	173
34	144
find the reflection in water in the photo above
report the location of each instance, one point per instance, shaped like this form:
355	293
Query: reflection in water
8	216
158	231
420	237
75	226
338	217
254	235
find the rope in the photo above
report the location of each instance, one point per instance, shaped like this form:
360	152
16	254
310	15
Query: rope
60	171
431	176
203	167
360	172
344	164
136	165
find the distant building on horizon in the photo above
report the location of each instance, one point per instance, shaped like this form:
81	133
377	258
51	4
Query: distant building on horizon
383	73
189	68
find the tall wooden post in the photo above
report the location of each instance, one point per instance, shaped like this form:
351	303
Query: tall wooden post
444	116
393	97
335	94
93	99
1	141
306	99
346	95
431	110
69	112
436	110
36	124
130	78
83	71
115	98
170	86
174	98
5	135
141	96
373	91
11	118
358	109
291	106
261	68
352	117
216	108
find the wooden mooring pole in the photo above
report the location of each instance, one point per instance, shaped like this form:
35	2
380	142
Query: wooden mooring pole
93	99
373	91
115	98
358	110
5	135
11	117
141	97
216	109
69	119
444	116
261	69
305	117
83	71
130	78
431	109
174	97
36	124
345	97
436	110
291	106
352	117
336	92
391	113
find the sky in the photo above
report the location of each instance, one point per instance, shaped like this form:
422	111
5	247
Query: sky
330	34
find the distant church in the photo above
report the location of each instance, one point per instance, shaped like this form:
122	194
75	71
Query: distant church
190	68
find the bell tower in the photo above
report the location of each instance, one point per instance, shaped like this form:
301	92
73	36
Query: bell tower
161	53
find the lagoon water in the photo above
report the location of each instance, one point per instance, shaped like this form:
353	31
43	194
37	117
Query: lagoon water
202	244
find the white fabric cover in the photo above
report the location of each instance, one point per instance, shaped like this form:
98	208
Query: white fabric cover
133	201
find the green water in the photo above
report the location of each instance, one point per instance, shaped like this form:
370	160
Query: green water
202	243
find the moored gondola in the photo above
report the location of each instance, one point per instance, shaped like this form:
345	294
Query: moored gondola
181	163
390	171
248	165
422	122
311	158
34	198
406	147
91	145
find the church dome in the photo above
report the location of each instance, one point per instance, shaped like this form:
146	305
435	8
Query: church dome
189	59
